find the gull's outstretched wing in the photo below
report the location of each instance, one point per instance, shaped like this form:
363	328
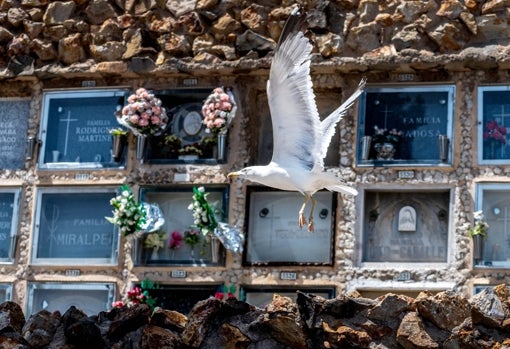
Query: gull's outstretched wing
329	124
294	115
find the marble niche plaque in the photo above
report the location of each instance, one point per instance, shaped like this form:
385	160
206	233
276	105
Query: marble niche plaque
418	114
274	236
14	115
76	129
406	226
72	226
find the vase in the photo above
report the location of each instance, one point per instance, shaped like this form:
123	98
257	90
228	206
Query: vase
366	141
222	147
443	143
478	247
155	254
385	151
141	144
30	147
215	248
56	155
118	144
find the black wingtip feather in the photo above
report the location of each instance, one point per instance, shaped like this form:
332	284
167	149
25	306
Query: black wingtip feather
295	23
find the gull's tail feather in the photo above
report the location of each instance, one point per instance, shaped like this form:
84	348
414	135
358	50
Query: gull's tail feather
342	188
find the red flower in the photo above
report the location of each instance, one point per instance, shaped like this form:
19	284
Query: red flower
219	295
118	304
495	132
176	240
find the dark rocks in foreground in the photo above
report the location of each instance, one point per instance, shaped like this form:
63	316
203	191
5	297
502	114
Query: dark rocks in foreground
445	320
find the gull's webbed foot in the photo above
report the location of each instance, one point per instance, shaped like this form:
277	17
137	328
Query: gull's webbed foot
310	225
301	220
310	218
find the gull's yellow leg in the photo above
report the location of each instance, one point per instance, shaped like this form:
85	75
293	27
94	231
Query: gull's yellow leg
310	218
302	219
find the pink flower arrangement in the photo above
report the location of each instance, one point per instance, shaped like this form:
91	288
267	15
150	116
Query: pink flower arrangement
495	132
138	295
218	110
144	114
133	296
176	240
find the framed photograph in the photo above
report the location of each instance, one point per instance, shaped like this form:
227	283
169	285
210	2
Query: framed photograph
406	126
75	128
273	234
70	227
91	298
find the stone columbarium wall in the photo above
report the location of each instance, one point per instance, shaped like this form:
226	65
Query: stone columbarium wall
157	44
445	320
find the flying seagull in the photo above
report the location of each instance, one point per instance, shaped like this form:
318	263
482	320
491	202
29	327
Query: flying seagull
300	138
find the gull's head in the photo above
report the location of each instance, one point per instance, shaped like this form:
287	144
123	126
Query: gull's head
251	173
244	173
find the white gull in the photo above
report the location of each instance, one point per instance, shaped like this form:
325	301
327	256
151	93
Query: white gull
300	138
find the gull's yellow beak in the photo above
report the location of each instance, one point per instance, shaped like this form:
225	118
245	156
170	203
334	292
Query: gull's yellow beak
233	175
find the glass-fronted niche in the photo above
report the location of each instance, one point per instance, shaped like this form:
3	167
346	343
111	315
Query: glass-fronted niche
182	298
480	288
493	199
406	126
186	138
493	124
261	296
75	128
5	292
378	292
9	206
179	241
406	226
273	233
70	227
91	298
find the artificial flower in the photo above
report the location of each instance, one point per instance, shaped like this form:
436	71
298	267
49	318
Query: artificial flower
176	240
382	135
495	132
480	227
138	295
226	290
144	114
190	149
218	110
204	217
155	240
128	214
191	237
